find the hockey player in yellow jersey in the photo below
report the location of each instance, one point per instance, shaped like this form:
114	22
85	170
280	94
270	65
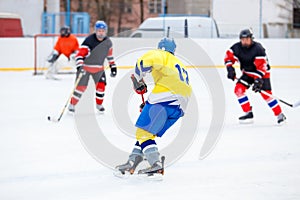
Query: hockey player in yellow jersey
165	105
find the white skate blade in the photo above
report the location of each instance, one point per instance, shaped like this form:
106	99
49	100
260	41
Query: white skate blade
152	177
100	112
281	123
143	177
51	77
246	121
71	113
119	174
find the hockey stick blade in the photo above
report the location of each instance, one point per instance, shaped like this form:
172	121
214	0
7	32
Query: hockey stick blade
68	100
297	104
51	119
271	95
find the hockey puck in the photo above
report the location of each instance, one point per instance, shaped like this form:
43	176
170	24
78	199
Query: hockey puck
48	118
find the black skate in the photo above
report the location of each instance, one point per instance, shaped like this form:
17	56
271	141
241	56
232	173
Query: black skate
128	167
156	168
247	118
281	118
100	108
71	108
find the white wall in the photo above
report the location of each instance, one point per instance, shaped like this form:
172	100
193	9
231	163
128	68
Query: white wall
234	15
19	52
16	52
30	12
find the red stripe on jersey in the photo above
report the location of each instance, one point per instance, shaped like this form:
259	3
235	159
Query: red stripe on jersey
261	64
83	51
267	75
229	58
93	69
110	54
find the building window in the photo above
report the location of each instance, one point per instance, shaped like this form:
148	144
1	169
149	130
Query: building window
111	31
296	14
155	6
128	6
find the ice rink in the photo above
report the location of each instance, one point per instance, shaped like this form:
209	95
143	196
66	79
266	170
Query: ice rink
45	160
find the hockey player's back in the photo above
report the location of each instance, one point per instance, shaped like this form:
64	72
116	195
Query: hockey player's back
165	105
169	74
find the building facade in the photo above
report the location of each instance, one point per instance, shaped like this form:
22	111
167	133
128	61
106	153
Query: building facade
124	16
267	18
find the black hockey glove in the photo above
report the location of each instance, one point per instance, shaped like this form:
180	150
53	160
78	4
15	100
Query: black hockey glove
258	83
142	106
140	87
80	70
113	71
231	73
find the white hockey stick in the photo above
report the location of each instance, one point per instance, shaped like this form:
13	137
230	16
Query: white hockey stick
67	103
270	95
282	101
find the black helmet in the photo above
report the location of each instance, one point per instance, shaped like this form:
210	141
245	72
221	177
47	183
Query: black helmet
246	33
65	31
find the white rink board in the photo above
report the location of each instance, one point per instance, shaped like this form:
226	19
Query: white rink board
19	52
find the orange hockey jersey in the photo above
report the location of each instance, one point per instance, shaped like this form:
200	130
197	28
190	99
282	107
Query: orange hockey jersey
66	45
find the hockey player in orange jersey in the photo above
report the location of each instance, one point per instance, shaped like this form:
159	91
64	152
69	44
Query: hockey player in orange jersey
67	45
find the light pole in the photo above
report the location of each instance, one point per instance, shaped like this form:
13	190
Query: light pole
211	14
67	21
164	15
260	19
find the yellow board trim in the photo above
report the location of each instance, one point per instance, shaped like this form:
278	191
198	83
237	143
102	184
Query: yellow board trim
131	67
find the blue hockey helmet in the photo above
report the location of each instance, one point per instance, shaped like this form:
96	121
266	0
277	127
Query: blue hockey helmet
100	25
167	44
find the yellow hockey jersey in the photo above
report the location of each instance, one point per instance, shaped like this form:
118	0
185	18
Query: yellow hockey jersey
170	77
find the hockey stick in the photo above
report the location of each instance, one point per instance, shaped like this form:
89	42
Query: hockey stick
168	31
272	96
136	85
66	104
282	101
143	104
143	98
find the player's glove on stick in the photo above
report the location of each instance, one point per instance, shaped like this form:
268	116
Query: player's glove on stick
113	71
142	106
231	73
80	69
140	87
258	83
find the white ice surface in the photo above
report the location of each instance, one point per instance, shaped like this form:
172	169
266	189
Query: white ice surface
44	160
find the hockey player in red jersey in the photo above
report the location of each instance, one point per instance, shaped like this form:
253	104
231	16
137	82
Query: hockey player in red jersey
89	61
67	45
255	72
